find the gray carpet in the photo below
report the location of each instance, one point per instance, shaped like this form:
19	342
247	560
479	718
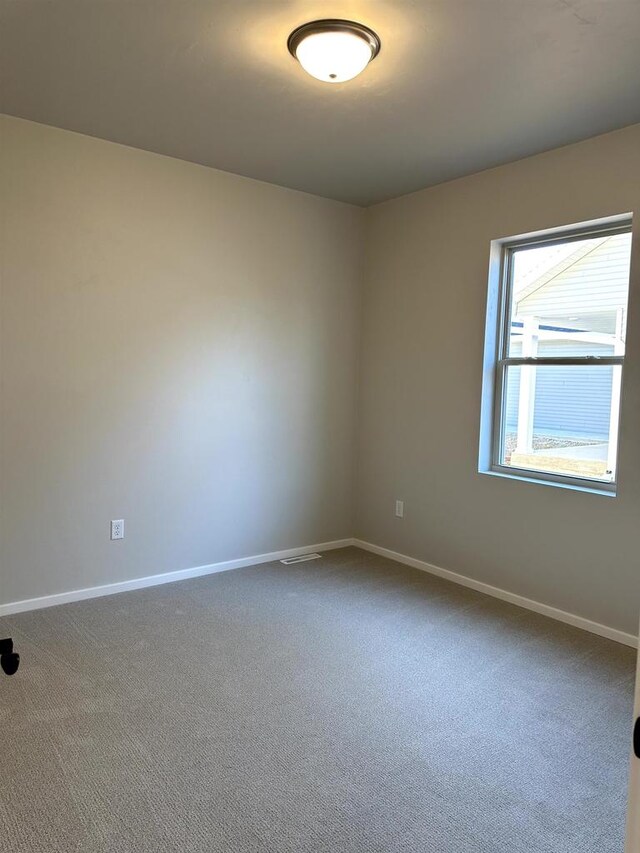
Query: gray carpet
347	704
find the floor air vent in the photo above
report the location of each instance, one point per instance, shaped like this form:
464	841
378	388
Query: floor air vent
301	559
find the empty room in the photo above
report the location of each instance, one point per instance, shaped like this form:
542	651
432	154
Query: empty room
319	426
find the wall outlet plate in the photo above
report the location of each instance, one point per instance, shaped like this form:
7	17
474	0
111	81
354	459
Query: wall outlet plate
117	529
399	509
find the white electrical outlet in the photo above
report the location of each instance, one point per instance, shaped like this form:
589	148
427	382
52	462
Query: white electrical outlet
117	529
399	509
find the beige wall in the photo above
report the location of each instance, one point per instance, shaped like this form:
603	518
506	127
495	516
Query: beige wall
424	315
179	349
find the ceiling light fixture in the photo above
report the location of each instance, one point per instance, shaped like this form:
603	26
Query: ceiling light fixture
333	50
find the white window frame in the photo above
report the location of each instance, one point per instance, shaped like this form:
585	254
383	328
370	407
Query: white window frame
497	359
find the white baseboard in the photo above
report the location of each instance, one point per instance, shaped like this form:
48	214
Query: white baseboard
496	592
198	571
166	577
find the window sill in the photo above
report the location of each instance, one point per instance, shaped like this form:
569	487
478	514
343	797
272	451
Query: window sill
542	481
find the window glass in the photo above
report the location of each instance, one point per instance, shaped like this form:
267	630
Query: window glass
561	343
570	298
558	419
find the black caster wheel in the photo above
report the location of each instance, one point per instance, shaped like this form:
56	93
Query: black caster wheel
10	663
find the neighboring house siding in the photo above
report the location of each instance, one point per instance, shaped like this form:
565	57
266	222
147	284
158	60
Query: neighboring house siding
599	282
575	401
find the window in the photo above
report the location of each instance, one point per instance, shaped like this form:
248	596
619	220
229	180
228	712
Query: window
554	356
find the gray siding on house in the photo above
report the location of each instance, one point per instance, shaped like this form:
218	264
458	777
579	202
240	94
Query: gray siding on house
596	285
573	401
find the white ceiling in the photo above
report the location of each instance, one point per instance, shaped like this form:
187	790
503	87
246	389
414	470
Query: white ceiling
459	85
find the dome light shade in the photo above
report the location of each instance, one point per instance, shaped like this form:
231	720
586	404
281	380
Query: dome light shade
333	50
